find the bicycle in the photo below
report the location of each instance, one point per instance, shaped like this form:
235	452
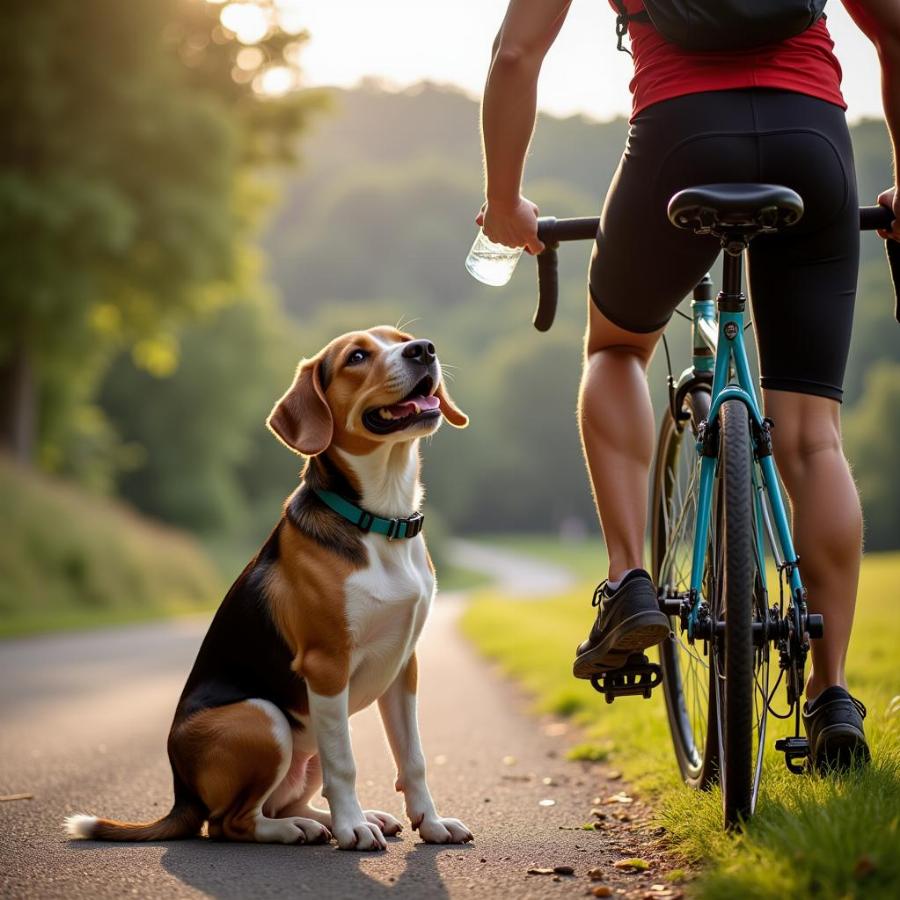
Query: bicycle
716	505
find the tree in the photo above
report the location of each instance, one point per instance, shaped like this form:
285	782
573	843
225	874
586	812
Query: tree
129	127
872	432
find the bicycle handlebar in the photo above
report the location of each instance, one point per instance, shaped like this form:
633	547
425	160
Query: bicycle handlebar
552	231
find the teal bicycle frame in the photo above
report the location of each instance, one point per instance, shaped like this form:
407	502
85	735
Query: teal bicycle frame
719	346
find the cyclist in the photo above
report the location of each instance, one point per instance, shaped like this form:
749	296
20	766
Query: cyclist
774	114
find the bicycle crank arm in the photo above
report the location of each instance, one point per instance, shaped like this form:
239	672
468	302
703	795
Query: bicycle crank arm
637	677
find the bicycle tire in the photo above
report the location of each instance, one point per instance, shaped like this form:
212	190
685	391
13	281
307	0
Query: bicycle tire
690	704
735	691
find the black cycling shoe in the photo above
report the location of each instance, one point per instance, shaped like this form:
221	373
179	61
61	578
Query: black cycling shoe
629	620
834	727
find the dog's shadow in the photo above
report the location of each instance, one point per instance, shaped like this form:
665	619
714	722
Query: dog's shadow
235	871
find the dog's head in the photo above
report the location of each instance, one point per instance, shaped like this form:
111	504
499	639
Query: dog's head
364	389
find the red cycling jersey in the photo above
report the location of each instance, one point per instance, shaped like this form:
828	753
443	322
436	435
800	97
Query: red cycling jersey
805	64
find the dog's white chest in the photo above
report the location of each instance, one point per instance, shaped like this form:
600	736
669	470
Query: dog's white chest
386	605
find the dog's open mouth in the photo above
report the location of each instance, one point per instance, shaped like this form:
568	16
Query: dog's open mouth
419	405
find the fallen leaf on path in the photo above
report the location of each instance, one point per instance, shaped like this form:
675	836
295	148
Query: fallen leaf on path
563	870
613	775
540	870
636	864
602	890
621	797
509	760
598	813
546	802
595	874
6	798
549	782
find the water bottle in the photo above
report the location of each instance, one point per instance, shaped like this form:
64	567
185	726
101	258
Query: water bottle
492	263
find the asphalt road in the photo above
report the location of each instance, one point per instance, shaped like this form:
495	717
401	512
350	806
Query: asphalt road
83	722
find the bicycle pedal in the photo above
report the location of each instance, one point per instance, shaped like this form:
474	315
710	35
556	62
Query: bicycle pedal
637	677
796	753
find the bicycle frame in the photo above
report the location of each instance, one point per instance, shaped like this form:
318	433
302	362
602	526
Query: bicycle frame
719	345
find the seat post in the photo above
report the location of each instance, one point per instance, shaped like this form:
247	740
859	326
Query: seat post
731	298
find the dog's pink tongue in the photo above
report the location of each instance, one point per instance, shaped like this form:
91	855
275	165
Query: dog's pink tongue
414	405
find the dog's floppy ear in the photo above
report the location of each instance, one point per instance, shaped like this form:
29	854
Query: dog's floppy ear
452	413
301	419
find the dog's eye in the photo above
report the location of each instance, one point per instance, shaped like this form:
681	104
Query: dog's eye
356	357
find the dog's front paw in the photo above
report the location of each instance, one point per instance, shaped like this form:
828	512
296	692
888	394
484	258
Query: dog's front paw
385	821
358	835
443	831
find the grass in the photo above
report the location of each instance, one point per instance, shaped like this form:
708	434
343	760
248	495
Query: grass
829	838
72	560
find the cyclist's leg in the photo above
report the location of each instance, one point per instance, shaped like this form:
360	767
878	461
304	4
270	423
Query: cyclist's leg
826	518
642	267
803	286
617	431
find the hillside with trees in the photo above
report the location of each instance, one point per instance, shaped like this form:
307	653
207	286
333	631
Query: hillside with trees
163	403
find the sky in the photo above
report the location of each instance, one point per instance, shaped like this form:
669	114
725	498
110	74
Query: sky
405	41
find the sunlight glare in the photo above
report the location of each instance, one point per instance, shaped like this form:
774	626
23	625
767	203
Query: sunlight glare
250	58
276	81
248	21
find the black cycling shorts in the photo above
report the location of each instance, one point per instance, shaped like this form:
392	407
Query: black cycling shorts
802	281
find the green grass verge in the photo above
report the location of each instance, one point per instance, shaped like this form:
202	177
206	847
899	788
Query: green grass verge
829	838
72	560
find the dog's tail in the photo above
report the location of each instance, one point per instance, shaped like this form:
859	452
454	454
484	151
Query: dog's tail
184	821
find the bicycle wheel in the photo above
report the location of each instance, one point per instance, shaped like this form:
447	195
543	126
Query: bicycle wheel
686	673
736	575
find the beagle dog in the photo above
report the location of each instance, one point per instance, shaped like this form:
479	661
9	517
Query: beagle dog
321	623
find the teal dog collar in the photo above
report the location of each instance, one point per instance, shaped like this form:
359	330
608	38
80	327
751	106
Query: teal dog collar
366	521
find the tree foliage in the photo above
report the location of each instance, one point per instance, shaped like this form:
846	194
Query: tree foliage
872	433
123	197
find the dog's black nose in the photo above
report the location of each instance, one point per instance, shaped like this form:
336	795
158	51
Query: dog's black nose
420	351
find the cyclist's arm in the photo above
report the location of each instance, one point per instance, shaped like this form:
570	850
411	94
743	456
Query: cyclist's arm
879	20
510	95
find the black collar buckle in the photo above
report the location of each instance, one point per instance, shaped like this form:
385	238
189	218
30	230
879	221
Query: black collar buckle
413	526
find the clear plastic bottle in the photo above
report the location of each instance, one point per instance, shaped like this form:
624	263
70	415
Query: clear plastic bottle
492	263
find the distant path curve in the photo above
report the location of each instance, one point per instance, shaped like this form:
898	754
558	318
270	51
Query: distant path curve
511	572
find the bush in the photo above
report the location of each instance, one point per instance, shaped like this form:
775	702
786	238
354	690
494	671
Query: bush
70	558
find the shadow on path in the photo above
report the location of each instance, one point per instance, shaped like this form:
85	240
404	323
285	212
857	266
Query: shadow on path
233	871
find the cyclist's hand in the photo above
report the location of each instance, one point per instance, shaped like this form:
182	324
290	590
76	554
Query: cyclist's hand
891	199
512	226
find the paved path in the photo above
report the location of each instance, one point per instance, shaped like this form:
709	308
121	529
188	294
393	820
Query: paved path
83	721
516	575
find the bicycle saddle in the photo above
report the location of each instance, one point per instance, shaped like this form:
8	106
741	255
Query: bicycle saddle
718	208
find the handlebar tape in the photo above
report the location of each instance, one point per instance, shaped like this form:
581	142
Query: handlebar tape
881	217
548	288
872	218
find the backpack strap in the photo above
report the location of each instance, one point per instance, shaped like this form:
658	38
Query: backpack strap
622	20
